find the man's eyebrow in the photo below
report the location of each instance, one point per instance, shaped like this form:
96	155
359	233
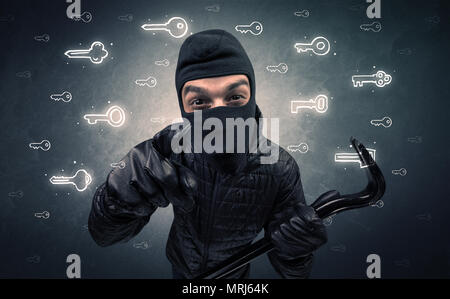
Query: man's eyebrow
193	88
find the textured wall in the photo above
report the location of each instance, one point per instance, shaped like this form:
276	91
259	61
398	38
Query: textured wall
410	232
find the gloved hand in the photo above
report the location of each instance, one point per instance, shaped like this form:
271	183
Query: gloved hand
148	174
299	232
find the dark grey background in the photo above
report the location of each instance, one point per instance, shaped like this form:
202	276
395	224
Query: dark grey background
416	100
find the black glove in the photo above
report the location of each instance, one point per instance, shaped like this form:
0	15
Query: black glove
298	233
148	174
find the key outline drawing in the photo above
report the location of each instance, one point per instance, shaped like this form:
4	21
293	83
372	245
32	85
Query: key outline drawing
379	204
126	18
301	147
165	62
319	103
42	215
319	46
380	79
65	180
120	164
107	117
246	28
370	26
401	171
385	122
163	27
213	8
38	145
24	74
303	13
141	245
352	157
149	82
84	53
42	38
276	68
16	194
86	17
65	96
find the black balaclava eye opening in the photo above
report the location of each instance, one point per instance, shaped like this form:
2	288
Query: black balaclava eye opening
215	53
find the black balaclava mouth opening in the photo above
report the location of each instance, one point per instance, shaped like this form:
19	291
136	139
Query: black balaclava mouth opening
215	53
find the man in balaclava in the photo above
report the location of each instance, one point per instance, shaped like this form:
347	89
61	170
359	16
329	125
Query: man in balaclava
221	200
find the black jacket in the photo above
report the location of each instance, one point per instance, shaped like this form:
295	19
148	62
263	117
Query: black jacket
229	212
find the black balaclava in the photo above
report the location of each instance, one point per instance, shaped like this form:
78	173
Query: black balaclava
215	53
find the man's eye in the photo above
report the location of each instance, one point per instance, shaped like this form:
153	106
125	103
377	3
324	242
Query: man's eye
236	97
198	102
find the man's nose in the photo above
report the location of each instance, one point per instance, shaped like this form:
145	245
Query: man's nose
217	102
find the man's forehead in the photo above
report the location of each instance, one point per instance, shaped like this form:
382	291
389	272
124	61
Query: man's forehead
227	82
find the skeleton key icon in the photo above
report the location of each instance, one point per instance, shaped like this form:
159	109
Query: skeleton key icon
120	165
385	122
176	26
320	104
42	215
126	18
85	17
379	204
402	171
302	148
43	145
65	97
375	26
281	68
254	28
96	53
80	180
380	79
42	38
304	13
150	82
114	116
164	62
319	46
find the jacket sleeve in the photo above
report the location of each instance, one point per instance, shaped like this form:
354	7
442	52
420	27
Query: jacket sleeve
290	193
122	205
112	220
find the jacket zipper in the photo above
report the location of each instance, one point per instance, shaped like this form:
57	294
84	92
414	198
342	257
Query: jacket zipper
208	223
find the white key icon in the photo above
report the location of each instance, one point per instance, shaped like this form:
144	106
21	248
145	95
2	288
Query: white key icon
42	215
114	116
176	26
126	18
319	46
281	68
375	26
385	122
65	96
320	104
96	53
380	79
302	148
42	38
43	145
304	13
164	62
402	171
254	28
120	165
80	180
85	17
149	82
